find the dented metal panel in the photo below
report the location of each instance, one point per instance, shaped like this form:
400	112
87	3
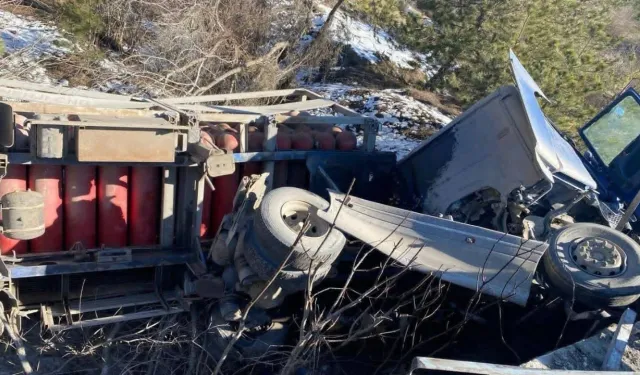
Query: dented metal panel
134	145
490	145
554	152
480	259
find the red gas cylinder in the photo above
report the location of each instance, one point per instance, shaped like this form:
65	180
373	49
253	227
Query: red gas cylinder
300	128
16	179
346	141
207	202
297	169
113	186
256	141
324	140
144	206
80	206
226	186
281	168
46	179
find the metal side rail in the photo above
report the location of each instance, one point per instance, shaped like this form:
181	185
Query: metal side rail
88	312
480	259
95	260
147	314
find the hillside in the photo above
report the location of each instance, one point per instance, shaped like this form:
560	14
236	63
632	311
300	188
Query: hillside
35	50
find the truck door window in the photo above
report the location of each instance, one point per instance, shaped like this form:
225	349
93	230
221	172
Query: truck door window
614	131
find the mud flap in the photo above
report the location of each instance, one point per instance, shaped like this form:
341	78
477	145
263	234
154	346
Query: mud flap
480	259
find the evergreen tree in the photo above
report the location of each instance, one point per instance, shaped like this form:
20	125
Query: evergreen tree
384	13
561	42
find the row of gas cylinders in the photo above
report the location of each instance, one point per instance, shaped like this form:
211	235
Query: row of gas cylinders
292	173
115	206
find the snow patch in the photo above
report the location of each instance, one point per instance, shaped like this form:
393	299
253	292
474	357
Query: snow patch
367	41
40	40
404	121
27	42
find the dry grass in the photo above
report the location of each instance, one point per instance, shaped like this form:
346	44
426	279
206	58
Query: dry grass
428	97
198	47
77	68
16	7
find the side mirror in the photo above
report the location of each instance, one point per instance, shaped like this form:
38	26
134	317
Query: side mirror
7	135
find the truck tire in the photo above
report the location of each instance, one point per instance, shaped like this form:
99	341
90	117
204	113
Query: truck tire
280	217
289	279
597	265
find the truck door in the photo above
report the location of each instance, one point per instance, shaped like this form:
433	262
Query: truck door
613	136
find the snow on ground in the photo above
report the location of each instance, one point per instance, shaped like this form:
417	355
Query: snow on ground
367	41
27	42
404	121
38	39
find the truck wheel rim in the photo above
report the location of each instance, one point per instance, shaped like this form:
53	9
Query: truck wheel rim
599	257
295	213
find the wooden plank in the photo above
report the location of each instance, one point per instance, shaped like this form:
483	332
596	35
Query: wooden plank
308	93
156	125
233	118
167	224
313	120
199	108
613	358
344	110
337	107
279	108
34	96
479	368
225	97
16	84
61	109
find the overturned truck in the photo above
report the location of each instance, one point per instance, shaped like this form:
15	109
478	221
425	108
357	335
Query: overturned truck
139	203
118	198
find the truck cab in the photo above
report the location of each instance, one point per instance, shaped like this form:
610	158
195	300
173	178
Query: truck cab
504	165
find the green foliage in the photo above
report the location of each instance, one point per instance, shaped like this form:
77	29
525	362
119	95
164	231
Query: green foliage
562	43
386	13
1	47
81	18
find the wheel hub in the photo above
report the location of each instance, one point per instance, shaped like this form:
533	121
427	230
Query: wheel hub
599	257
295	213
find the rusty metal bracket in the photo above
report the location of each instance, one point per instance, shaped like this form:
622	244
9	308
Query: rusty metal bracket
220	163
